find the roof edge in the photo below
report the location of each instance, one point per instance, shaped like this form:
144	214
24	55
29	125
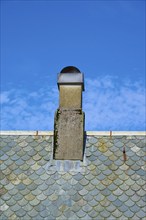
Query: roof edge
89	133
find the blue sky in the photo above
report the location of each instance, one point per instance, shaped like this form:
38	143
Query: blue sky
104	39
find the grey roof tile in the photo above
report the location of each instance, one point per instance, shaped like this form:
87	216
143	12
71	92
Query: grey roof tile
124	186
89	176
21	212
104	214
43	152
3	217
87	197
4	157
99	208
106	185
8	212
27	149
46	202
19	161
3	144
78	176
129	192
105	202
44	176
112	198
117	203
87	208
56	213
27	208
93	202
111	208
25	157
118	192
41	196
67	186
92	158
106	192
128	213
9	186
81	213
129	203
67	201
30	161
6	196
53	197
33	176
92	140
140	162
94	192
11	202
141	172
108	162
18	197
32	213
47	192
4	181
117	213
39	207
36	191
141	214
15	207
101	177
94	182
29	197
25	191
123	197
76	197
90	187
78	187
135	187
41	187
3	191
100	186
118	182
140	192
39	181
99	197
22	202
84	182
68	213
83	192
135	198
75	207
135	208
34	202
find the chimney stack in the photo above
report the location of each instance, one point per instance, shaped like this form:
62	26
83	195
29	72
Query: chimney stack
69	118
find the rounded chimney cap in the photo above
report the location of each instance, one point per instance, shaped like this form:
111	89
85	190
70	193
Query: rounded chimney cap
70	69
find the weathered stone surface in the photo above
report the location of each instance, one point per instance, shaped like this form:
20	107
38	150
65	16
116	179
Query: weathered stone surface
69	135
70	96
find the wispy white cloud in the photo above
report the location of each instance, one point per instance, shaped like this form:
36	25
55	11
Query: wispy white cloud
4	97
108	105
113	105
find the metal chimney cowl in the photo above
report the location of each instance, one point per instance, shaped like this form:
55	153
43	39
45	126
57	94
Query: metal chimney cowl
69	118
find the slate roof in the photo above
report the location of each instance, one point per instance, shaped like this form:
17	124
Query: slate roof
102	186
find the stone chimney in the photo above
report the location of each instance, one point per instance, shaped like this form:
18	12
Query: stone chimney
69	118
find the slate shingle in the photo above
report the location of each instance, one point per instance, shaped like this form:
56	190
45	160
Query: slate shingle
103	186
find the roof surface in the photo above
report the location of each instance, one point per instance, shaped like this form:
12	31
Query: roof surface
107	184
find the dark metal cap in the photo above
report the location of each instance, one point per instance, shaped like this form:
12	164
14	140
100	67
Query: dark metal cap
70	69
71	75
